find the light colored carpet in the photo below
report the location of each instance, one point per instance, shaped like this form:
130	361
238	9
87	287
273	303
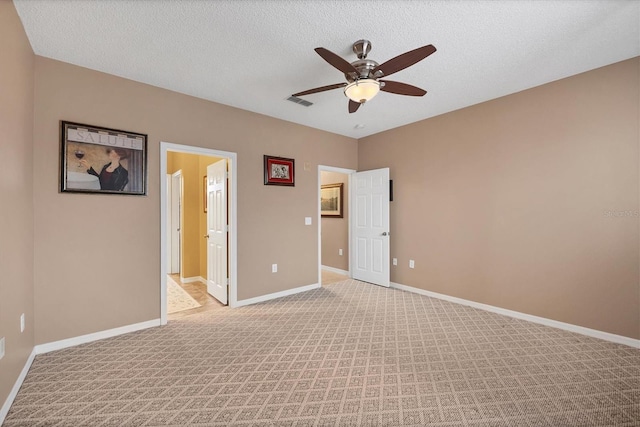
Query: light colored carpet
347	354
177	298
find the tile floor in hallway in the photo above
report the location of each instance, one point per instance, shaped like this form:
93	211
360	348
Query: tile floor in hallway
198	291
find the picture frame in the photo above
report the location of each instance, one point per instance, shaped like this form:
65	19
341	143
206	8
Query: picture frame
331	200
205	202
100	160
279	171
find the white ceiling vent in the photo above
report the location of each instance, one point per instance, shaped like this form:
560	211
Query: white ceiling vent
299	101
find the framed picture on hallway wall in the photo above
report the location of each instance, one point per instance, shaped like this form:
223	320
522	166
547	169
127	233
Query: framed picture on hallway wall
279	171
101	160
331	201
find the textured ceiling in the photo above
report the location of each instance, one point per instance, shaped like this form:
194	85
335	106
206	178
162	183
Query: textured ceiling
253	54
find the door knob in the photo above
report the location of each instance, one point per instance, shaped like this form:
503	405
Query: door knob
206	236
384	233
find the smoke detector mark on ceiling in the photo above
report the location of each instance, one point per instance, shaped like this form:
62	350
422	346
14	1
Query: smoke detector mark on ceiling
300	101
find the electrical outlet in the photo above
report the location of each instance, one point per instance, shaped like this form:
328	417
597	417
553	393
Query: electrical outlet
1	347
274	268
395	261
412	264
340	252
22	322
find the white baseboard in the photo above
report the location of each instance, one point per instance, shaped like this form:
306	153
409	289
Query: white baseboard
83	339
16	387
335	270
263	298
619	339
193	279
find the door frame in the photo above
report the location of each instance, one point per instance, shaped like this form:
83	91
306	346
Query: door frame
349	173
232	158
171	244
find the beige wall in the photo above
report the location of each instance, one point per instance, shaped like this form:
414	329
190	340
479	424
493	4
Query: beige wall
506	202
16	193
97	257
335	231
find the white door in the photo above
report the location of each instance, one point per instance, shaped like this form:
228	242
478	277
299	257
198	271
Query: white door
175	220
217	230
370	226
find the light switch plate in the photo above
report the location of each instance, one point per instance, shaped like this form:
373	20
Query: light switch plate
274	268
22	322
1	347
412	264
307	220
395	261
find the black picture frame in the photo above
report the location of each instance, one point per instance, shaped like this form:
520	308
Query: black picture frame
88	158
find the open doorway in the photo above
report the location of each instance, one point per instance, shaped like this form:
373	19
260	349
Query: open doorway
192	163
334	230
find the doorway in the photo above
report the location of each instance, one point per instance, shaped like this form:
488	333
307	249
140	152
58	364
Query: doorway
334	231
169	149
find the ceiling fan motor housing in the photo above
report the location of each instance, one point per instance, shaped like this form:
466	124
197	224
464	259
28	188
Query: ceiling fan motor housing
364	67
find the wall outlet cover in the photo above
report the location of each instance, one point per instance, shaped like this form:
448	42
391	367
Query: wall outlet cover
395	261
307	220
274	268
412	263
340	252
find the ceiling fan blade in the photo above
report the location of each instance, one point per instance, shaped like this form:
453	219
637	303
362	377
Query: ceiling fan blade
353	106
405	60
401	88
338	62
320	89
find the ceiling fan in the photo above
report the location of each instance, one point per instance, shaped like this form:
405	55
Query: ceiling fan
364	75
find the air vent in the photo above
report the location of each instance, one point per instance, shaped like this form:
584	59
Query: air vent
299	101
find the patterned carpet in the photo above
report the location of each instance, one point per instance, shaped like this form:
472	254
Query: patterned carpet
347	354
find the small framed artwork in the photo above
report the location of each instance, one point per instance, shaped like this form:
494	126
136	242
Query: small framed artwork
101	160
331	201
204	193
279	171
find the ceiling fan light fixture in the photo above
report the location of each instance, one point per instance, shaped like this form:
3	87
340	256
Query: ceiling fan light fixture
362	90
